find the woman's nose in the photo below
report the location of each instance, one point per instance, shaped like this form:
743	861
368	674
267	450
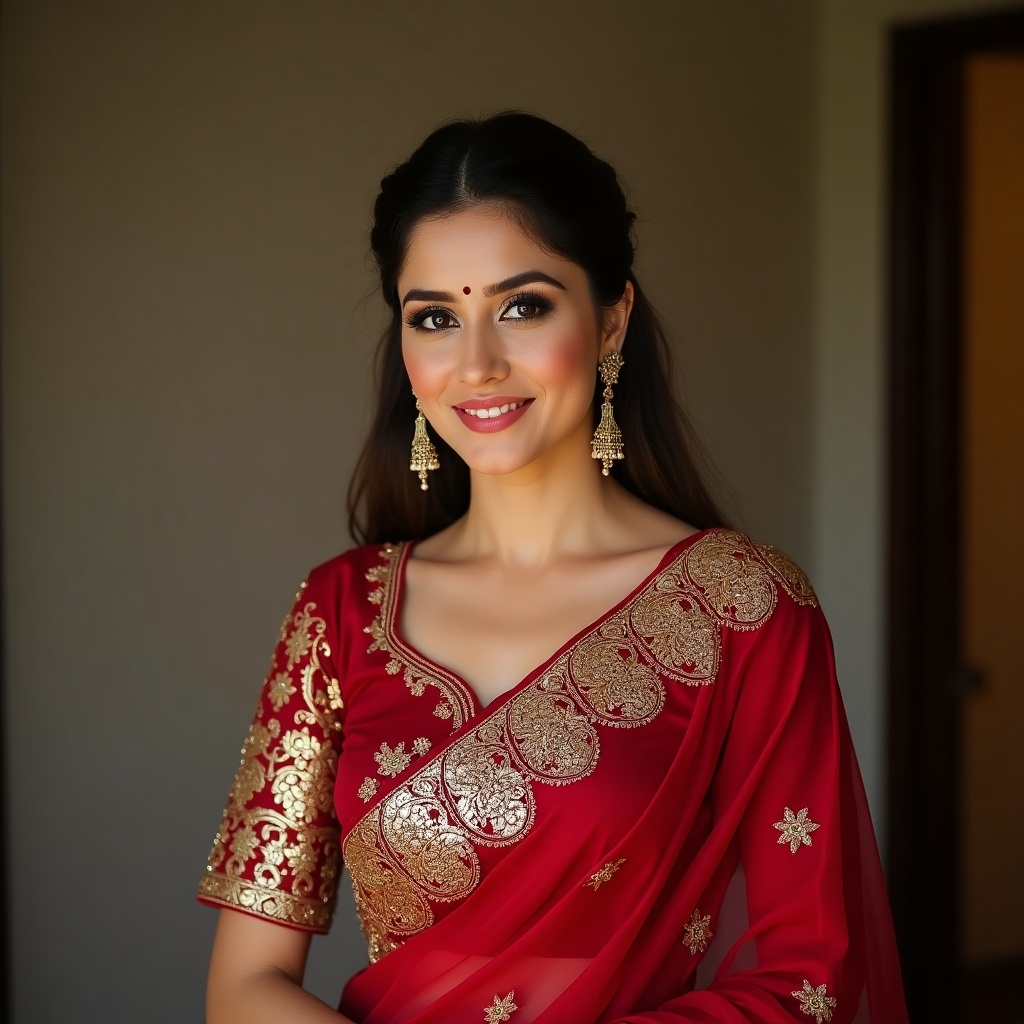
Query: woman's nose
482	355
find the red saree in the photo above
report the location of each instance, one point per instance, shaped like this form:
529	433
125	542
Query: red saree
663	823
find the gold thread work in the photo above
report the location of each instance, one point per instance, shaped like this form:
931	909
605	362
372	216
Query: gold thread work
598	878
815	1002
796	829
697	933
278	859
417	847
501	1009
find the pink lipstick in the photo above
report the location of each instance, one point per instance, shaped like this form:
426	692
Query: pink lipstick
489	415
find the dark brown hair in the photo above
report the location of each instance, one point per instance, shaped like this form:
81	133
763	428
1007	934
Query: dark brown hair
571	202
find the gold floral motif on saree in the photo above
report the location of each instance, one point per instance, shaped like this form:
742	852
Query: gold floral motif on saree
418	673
272	861
697	933
815	1002
392	761
419	843
602	875
796	829
501	1009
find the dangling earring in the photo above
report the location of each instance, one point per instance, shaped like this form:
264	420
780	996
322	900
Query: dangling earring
424	454
607	442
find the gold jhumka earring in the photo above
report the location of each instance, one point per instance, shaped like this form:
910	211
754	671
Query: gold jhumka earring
607	442
424	454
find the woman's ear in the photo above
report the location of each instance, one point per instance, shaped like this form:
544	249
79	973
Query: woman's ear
615	321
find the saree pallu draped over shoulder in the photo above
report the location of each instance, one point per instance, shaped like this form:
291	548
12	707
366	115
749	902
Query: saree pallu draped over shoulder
664	822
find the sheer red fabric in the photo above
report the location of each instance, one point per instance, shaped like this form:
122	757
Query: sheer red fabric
662	823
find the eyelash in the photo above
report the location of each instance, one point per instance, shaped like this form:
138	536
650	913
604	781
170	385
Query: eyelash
543	305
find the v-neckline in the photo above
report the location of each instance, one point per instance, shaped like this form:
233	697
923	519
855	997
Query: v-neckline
393	612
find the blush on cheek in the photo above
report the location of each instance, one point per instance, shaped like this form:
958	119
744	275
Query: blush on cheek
565	359
424	375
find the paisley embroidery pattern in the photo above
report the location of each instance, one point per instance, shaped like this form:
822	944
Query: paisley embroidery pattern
790	575
419	843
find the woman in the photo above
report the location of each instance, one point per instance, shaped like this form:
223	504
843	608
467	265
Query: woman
661	821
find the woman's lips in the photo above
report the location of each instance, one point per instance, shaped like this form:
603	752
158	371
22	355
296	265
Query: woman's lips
488	415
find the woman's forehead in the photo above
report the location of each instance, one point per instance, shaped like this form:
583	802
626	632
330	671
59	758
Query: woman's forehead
472	247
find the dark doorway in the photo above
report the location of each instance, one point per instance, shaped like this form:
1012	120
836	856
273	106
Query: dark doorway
930	675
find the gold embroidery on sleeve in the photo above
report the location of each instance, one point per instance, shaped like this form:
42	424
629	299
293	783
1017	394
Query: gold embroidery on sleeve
418	844
271	860
599	877
392	761
280	690
368	790
500	1009
697	933
815	1001
796	829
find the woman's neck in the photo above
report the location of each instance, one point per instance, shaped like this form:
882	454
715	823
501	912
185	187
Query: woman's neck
557	506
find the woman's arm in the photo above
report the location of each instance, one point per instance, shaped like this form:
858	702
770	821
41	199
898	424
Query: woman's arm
256	975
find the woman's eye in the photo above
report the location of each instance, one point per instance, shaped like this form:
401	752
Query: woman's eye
436	320
526	307
522	311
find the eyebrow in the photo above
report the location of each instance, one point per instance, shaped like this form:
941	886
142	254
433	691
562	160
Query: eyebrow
490	290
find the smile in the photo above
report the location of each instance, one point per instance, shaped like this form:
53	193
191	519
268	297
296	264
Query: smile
494	410
484	418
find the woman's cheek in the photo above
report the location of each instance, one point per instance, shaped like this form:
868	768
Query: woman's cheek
565	360
427	372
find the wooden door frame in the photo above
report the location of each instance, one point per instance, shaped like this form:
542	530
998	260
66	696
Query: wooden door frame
925	459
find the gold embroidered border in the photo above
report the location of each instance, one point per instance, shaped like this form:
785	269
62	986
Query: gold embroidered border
418	673
790	575
418	844
303	912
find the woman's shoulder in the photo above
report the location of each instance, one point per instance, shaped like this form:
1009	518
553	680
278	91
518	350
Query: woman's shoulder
353	566
743	579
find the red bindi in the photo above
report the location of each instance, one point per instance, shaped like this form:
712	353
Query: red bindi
467	289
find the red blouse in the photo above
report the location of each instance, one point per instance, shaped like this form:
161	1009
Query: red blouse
664	822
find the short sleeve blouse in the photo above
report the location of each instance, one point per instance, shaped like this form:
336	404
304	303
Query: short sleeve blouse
277	852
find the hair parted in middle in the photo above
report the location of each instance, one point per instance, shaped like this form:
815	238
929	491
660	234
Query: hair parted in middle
570	201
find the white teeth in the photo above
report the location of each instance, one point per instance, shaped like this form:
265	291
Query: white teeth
489	414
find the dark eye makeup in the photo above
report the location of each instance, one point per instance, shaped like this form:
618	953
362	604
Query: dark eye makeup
520	307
